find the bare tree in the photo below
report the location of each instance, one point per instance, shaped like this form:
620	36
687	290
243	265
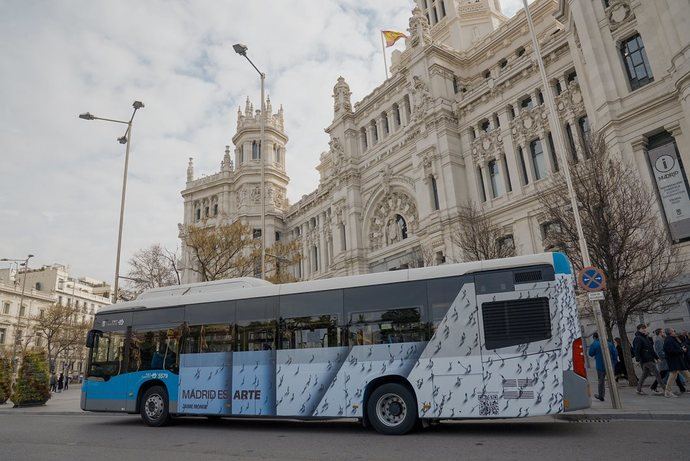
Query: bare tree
152	267
224	251
279	258
624	233
61	329
480	238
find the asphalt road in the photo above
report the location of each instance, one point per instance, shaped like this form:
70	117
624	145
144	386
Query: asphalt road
117	437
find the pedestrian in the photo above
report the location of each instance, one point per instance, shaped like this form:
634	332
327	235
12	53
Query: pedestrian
675	356
662	365
60	383
53	382
620	371
596	352
67	381
643	348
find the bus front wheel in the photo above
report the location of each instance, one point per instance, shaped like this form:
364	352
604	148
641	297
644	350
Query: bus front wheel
154	407
391	409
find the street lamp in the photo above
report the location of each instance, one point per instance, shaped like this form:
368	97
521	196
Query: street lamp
25	263
125	139
557	130
241	49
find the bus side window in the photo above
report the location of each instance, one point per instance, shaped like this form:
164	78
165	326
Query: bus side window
155	350
442	293
310	332
387	327
256	324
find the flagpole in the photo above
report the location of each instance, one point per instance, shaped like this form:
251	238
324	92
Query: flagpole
383	49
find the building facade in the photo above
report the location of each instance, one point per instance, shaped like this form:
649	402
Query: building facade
462	120
45	287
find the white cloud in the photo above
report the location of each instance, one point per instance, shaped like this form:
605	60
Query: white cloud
61	176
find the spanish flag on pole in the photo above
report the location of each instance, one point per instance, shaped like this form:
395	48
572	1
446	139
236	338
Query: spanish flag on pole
392	36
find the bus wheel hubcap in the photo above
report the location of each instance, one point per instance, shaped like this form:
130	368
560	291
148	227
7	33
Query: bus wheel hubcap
154	406
391	409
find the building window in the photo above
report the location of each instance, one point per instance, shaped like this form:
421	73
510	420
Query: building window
538	161
456	86
3	334
402	225
583	124
215	209
520	51
256	233
6	308
277	236
487	74
256	150
540	96
276	153
396	113
526	103
315	258
374	132
22	311
523	167
434	192
571	77
480	178
384	119
636	63
503	63
198	214
38	286
206	212
554	157
495	177
486	126
559	89
549	231
506	243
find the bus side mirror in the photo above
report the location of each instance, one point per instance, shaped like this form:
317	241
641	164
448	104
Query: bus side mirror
91	338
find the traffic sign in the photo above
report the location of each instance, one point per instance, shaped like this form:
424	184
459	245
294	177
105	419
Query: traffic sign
596	295
591	279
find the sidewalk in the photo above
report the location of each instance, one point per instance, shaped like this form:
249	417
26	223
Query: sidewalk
651	406
65	402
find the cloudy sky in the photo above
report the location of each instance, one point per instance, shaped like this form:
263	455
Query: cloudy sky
60	177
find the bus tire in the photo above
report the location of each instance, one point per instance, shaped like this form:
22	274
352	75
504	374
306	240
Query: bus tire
392	410
154	407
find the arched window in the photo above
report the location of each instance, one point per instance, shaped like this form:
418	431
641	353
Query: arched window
38	286
215	209
256	150
402	226
198	214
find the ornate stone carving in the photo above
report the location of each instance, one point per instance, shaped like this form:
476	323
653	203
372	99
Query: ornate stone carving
384	229
337	154
528	124
341	97
487	146
421	98
619	13
570	103
419	28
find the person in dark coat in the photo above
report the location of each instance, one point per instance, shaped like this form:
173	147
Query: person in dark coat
53	382
662	365
643	349
675	352
61	382
596	352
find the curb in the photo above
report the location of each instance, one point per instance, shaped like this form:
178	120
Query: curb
18	411
604	417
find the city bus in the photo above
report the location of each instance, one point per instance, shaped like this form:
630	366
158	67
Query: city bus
486	339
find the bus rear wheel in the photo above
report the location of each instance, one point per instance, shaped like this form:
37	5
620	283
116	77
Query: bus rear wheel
391	409
154	407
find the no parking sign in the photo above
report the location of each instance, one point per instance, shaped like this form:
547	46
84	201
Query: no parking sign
591	279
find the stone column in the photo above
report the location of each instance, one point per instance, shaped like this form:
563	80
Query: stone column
544	138
577	139
527	159
391	121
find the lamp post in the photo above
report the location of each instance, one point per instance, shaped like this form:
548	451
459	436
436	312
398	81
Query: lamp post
586	261
125	139
19	311
242	51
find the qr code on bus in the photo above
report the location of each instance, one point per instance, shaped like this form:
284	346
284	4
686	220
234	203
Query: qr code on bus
488	404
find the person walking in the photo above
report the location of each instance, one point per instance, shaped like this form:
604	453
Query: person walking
53	382
67	381
662	365
675	356
620	371
60	382
596	352
643	349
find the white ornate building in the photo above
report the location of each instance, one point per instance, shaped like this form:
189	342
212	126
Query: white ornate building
461	120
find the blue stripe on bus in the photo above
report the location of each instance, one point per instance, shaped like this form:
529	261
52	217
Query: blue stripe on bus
561	265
